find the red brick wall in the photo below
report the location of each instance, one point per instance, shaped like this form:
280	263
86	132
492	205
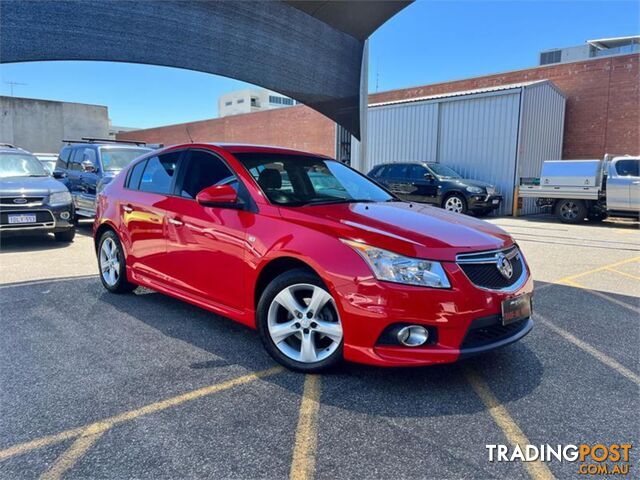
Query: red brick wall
296	127
602	116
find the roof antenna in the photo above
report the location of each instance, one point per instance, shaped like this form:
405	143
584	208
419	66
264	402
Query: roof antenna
188	133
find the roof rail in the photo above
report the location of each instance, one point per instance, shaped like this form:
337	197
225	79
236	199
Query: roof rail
105	140
7	145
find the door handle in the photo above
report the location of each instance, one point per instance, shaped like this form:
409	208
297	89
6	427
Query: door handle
637	182
176	222
127	208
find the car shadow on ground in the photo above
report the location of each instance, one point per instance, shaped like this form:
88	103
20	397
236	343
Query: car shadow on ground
421	392
625	223
39	241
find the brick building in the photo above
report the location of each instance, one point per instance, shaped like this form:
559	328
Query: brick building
602	112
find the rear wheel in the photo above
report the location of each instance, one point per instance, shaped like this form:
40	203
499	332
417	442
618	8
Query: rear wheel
298	322
571	211
111	262
455	203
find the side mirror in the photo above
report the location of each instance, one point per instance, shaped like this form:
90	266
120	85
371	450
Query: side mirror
58	174
88	166
428	176
219	196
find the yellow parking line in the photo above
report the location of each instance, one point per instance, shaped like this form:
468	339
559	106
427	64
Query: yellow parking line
597	293
303	464
597	354
599	269
635	277
138	412
69	458
537	470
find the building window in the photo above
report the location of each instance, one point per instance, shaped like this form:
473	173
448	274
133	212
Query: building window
240	100
254	102
550	57
228	104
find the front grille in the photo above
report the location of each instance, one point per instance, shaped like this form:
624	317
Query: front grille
482	268
485	331
23	201
43	218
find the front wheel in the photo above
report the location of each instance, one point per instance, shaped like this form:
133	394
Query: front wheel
111	262
571	211
298	322
455	203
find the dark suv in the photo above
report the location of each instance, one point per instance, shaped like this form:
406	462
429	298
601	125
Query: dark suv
437	184
86	166
30	200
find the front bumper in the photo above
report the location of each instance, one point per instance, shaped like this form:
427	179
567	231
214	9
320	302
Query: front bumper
49	218
370	307
484	202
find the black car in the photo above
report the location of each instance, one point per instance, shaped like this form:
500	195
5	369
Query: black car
86	166
437	184
30	200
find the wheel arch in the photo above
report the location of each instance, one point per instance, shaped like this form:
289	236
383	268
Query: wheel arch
100	231
277	266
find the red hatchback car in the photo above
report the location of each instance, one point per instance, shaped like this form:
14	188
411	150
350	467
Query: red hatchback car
325	263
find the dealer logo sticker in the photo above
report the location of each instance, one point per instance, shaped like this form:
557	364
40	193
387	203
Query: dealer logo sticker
504	266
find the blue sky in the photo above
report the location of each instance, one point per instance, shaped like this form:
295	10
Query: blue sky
430	41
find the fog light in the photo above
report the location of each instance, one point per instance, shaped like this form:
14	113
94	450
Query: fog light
413	336
65	215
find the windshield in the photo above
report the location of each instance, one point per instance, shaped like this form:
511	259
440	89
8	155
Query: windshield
296	180
115	159
442	171
20	165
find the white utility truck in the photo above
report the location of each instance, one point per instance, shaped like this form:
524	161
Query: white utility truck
576	190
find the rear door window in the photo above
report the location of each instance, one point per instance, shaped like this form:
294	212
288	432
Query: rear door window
136	175
159	173
398	170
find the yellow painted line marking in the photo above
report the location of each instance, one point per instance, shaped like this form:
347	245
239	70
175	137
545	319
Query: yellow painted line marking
599	269
635	277
69	458
138	412
609	298
537	470
597	354
304	451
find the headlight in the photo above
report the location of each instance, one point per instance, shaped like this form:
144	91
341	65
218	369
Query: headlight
475	190
59	198
392	267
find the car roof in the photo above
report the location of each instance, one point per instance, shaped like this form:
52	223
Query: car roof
14	150
107	145
248	148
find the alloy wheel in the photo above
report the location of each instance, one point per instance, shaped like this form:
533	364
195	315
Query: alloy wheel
569	210
109	262
454	204
304	324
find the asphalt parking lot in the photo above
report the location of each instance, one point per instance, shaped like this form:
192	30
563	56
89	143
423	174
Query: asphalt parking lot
95	385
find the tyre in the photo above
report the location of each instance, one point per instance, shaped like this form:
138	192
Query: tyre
571	211
66	235
298	322
111	264
455	203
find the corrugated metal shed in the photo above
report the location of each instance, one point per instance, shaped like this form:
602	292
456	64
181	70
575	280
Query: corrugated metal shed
494	134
